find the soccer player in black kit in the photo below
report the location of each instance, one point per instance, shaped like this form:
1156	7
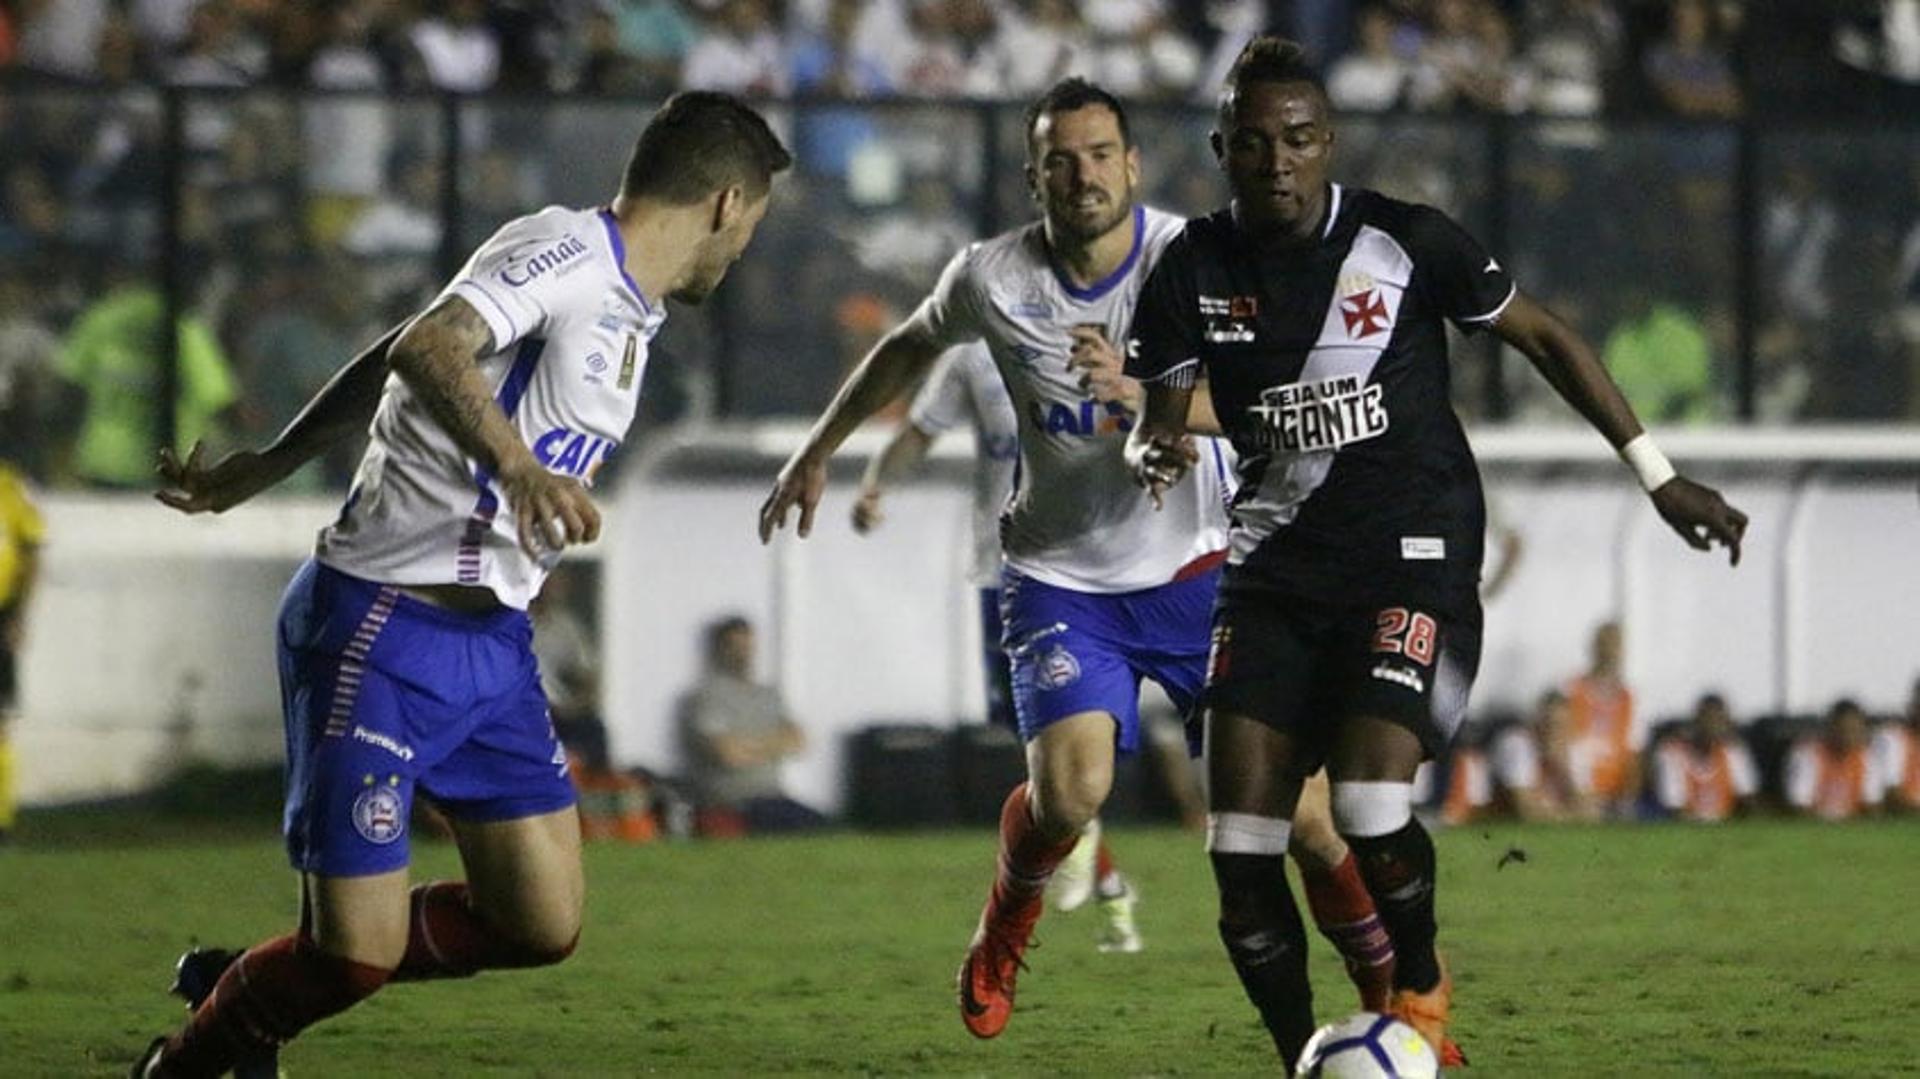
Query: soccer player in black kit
1347	629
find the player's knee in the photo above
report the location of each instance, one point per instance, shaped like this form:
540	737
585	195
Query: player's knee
1068	803
1315	841
1363	810
548	950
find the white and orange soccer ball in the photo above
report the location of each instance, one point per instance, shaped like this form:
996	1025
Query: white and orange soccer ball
1367	1045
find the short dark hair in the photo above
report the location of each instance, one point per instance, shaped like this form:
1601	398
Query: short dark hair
1070	94
1268	58
702	141
721	628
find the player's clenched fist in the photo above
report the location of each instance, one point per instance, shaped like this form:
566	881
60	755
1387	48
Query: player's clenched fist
1159	463
801	483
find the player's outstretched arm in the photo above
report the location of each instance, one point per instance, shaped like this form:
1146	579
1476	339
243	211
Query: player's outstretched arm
1695	511
341	407
900	359
438	355
897	460
1159	451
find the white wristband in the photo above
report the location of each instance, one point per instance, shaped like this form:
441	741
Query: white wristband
1647	461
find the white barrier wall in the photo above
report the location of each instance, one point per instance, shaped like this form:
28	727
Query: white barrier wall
144	616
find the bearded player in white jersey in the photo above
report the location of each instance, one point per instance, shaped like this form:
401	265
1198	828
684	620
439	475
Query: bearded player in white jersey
404	643
1100	588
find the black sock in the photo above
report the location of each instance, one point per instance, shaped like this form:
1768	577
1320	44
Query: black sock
1267	942
1399	871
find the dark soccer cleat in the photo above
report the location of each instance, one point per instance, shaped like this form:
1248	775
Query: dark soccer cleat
194	977
143	1068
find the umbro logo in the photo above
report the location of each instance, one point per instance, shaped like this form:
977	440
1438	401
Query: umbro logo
1493	266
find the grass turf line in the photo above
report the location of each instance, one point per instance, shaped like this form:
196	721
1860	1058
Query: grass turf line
1763	948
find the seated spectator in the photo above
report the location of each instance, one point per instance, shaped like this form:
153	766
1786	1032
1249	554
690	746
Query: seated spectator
1690	69
1705	772
1572	48
1896	754
1661	356
1606	736
1372	78
1465	62
736	733
1526	769
741	53
1829	775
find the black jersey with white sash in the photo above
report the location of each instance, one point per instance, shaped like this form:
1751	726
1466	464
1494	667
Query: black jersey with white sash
1327	362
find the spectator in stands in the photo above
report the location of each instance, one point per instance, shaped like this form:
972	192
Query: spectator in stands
1829	774
1896	751
456	49
1465	63
32	411
1691	68
736	733
218	50
1704	771
1042	41
21	532
656	35
1573	48
1140	52
348	138
831	62
113	353
1661	356
1373	77
60	38
1606	734
740	52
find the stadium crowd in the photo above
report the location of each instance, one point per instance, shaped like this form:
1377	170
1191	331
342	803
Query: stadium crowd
892	185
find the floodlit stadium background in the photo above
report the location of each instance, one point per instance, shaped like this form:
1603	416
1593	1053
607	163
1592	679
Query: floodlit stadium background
1737	225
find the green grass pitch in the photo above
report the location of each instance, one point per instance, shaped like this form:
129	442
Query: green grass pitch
1764	948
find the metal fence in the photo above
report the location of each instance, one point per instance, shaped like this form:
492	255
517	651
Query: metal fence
1731	273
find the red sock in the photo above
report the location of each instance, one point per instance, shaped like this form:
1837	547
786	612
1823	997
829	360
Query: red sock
447	938
1027	859
1345	914
268	995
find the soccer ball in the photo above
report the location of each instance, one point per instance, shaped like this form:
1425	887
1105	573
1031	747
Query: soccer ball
1367	1046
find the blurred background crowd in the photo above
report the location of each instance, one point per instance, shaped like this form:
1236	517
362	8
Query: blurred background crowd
1725	195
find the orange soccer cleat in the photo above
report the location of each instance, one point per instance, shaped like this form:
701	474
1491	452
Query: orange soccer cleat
1428	1013
994	960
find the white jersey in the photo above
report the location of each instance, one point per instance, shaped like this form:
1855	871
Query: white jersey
1076	520
965	388
570	333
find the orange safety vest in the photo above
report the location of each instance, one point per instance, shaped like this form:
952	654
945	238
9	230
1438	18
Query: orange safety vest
1710	792
1467	772
1602	714
1842	787
1907	789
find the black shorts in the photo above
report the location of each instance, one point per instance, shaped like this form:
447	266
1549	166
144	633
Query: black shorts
1303	667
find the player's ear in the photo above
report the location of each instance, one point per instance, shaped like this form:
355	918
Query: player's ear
728	205
1219	147
1133	166
1033	183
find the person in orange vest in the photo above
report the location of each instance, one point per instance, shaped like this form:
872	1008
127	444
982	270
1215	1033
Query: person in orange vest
1606	735
1704	772
1830	775
1896	749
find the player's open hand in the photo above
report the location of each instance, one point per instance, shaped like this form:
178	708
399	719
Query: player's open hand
801	483
1102	372
867	514
551	510
193	486
1158	463
1701	516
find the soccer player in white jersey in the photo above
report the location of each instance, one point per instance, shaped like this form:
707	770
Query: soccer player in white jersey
404	643
1099	589
965	388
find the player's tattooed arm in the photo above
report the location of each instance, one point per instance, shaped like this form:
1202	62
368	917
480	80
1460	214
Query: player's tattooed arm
899	361
342	407
438	355
1697	512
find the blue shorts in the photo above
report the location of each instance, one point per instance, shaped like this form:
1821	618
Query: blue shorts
1074	652
993	663
380	692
